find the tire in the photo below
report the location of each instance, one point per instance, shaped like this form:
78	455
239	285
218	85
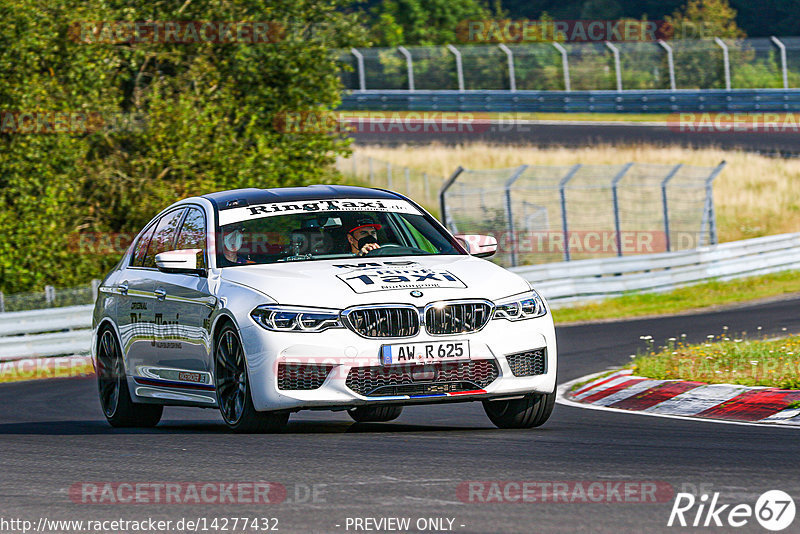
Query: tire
112	387
375	414
528	412
233	389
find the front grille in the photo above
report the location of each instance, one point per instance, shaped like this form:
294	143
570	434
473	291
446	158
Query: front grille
302	376
398	379
385	321
528	363
457	317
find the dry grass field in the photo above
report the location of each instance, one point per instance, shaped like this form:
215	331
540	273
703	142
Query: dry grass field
754	196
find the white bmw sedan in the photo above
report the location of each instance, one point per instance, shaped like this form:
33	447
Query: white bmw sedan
264	302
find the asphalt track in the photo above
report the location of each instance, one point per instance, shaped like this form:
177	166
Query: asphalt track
572	134
52	435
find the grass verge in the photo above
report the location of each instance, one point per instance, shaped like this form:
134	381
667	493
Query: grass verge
705	295
43	368
726	359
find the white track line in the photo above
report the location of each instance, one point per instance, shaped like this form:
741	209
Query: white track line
561	398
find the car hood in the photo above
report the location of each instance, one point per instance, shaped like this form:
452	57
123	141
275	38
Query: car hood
347	282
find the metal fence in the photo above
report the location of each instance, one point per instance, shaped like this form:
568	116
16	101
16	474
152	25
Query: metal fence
763	63
541	214
421	186
49	298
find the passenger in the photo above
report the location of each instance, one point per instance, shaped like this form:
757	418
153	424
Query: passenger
232	239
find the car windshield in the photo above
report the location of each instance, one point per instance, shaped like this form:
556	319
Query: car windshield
326	229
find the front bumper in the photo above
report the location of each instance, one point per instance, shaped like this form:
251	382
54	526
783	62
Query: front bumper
343	350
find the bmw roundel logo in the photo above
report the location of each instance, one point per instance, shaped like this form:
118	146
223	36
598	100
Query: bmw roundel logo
416	293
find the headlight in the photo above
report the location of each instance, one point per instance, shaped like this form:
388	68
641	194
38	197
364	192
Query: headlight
293	319
525	306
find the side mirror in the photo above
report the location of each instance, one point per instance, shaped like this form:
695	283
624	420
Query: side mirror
179	261
481	246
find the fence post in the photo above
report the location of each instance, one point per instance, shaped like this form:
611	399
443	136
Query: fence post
664	205
512	77
388	175
408	182
442	206
409	65
670	63
459	67
509	214
49	294
617	64
709	217
371	171
614	184
726	60
562	185
564	64
784	69
2	302
425	182
362	83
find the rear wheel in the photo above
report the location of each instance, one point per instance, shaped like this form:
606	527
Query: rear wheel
375	414
233	389
112	385
527	412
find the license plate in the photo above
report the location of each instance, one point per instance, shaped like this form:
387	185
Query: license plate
426	352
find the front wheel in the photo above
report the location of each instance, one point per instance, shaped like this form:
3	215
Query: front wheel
528	412
112	385
233	389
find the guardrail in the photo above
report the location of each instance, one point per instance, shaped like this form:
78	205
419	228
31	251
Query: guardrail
45	333
586	280
628	101
33	334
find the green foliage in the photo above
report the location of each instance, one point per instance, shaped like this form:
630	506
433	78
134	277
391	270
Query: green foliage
705	19
425	22
208	111
725	359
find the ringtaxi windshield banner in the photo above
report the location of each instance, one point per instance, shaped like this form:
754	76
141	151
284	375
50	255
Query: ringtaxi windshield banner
276	209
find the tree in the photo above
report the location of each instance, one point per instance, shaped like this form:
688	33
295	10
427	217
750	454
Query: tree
425	22
208	114
705	19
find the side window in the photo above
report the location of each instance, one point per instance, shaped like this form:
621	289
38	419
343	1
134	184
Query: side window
164	237
193	234
137	260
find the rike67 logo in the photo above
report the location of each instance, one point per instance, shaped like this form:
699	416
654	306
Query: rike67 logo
774	510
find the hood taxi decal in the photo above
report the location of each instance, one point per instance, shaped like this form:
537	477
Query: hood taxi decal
370	280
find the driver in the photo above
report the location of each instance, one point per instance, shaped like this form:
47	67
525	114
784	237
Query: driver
363	236
231	245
